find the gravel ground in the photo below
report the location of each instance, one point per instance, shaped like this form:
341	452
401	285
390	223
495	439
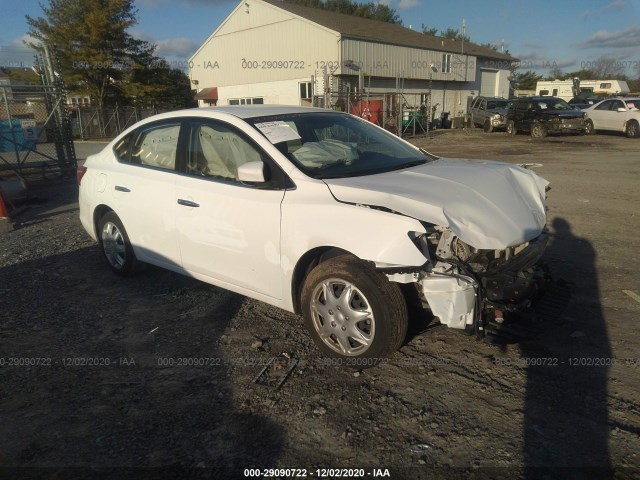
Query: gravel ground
152	376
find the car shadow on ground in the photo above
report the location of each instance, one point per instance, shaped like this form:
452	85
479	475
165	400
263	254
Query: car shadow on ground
566	419
122	375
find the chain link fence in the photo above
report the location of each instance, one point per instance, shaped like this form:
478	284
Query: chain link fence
35	133
91	123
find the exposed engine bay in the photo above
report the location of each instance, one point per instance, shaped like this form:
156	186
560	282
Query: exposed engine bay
467	287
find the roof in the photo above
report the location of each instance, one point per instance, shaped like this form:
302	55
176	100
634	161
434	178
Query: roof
207	94
250	111
383	32
241	111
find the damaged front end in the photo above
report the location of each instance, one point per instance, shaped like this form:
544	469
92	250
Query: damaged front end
466	288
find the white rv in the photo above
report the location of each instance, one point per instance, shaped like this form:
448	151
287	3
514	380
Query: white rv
563	88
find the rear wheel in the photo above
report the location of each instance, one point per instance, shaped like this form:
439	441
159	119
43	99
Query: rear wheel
633	129
588	127
511	127
538	130
116	247
353	312
488	127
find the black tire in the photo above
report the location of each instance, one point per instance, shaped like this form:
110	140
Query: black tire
589	129
538	130
511	127
116	247
633	129
488	128
380	307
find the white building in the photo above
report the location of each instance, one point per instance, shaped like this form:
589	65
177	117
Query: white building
268	51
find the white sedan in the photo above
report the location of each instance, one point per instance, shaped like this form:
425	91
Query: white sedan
615	114
319	213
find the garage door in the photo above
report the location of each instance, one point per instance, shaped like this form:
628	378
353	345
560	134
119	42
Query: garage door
488	82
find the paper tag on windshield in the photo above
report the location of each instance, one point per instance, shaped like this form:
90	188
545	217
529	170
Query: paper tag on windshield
277	132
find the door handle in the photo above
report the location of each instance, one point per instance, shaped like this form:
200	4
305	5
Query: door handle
122	189
187	203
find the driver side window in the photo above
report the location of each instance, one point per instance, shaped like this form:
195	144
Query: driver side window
216	151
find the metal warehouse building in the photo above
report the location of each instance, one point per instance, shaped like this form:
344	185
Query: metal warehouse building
271	52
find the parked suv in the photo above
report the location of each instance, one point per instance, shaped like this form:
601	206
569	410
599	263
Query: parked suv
542	116
489	113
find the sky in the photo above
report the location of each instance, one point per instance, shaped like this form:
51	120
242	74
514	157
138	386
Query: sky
543	34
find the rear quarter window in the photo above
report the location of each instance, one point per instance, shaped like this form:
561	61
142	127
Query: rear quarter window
122	149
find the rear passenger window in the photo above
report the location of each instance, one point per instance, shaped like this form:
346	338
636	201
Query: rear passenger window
156	146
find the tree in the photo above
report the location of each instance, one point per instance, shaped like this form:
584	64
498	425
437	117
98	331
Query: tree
91	40
159	85
526	80
429	31
454	34
608	68
371	10
556	74
492	46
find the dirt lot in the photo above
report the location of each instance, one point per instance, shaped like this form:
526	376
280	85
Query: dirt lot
97	371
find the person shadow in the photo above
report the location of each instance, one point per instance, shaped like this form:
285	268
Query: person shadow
566	419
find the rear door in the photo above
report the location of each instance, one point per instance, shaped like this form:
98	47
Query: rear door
142	190
227	230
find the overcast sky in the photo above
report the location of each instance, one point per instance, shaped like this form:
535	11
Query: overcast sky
542	33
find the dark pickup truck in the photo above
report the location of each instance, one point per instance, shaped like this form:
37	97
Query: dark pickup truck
542	116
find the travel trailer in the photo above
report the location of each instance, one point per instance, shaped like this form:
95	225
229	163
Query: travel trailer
565	88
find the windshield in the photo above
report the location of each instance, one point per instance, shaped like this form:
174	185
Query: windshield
337	145
553	104
496	104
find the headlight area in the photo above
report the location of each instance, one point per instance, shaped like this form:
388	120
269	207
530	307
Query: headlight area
466	288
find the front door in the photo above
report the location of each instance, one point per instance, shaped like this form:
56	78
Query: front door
227	230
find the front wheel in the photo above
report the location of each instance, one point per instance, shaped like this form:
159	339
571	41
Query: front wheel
488	127
538	130
353	312
116	247
511	127
633	130
589	128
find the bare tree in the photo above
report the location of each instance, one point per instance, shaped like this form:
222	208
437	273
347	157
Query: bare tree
606	67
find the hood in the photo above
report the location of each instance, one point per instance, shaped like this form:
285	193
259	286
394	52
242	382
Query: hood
564	113
489	205
501	111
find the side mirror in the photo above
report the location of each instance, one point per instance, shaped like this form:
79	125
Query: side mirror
251	172
622	109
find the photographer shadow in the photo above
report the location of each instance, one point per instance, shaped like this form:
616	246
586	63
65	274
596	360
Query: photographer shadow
566	419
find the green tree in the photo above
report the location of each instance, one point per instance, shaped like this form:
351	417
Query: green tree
371	10
526	80
429	31
454	34
161	86
492	46
90	37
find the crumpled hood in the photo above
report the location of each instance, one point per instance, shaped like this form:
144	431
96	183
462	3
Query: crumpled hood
489	205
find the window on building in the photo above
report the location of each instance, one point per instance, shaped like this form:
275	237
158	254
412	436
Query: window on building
605	85
306	91
544	93
446	63
555	92
246	101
